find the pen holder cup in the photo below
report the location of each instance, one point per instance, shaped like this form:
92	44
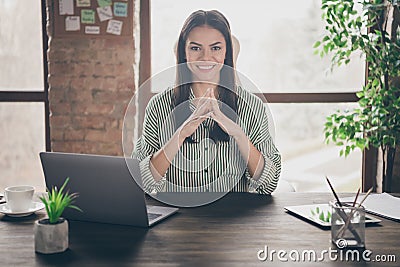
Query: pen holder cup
347	225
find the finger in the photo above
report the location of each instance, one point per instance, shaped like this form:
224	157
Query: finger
214	116
195	119
209	114
205	116
218	117
211	93
214	94
214	104
203	109
203	99
195	122
207	92
219	121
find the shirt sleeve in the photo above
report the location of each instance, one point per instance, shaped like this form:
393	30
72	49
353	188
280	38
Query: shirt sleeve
261	138
146	146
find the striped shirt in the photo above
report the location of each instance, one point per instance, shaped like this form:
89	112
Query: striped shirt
203	165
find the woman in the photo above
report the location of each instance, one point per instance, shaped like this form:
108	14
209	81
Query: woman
207	133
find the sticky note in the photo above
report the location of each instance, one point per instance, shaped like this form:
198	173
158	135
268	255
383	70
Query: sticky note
120	9
104	13
114	27
82	3
66	7
103	3
72	23
87	16
92	29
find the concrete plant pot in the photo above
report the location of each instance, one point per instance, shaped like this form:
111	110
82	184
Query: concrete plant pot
51	238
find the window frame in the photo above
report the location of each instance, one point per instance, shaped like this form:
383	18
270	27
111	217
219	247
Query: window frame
369	157
36	96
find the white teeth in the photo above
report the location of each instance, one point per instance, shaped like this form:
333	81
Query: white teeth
206	67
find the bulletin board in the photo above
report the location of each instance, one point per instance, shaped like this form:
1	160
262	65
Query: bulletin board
92	18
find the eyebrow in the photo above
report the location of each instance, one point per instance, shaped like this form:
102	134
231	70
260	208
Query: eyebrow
194	43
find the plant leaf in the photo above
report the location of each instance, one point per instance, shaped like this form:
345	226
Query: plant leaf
57	201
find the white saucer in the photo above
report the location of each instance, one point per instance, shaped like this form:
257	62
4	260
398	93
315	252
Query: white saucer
35	206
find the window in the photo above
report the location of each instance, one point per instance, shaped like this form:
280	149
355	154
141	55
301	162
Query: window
276	44
23	94
306	159
277	55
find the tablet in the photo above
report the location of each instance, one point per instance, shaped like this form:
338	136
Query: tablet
319	214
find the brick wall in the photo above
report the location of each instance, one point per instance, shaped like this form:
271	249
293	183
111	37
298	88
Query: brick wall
91	83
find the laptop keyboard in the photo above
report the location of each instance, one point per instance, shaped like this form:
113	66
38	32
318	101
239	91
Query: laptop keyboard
153	216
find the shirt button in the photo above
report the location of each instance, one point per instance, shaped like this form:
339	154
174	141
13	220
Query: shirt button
206	148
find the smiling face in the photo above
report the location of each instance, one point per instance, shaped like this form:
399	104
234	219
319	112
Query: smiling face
205	51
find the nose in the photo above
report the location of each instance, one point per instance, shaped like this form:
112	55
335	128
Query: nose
206	55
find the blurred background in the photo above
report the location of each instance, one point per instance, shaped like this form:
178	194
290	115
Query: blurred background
276	54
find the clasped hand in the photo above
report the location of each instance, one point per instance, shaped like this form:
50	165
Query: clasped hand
207	107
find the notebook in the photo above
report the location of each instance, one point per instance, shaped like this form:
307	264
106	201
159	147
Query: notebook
384	205
107	191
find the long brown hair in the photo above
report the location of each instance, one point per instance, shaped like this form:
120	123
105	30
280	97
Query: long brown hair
227	84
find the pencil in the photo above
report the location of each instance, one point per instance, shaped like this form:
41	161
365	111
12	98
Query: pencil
333	191
355	199
365	197
347	224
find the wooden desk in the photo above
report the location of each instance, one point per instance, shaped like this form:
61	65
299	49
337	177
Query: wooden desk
230	232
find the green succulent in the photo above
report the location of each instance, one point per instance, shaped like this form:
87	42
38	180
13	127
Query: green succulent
57	200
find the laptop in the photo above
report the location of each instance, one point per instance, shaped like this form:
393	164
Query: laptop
107	191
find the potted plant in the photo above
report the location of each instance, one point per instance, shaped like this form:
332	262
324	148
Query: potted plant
51	234
372	28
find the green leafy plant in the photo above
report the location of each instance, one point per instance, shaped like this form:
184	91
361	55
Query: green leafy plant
56	201
321	215
371	27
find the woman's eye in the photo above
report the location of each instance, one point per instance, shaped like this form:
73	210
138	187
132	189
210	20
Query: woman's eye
216	48
195	48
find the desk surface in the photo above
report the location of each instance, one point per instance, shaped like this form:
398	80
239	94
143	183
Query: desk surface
230	231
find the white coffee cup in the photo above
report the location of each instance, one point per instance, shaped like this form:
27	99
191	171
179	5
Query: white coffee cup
19	198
